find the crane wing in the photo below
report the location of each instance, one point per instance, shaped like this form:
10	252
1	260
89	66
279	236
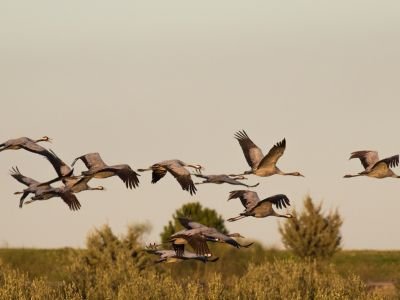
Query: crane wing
158	173
368	158
197	242
279	200
61	167
274	154
249	199
35	148
252	153
391	162
91	160
189	224
71	200
183	177
126	174
14	172
179	249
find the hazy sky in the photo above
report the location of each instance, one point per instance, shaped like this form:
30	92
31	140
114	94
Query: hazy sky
145	81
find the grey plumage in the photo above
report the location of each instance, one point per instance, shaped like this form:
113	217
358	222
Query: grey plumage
98	169
257	208
211	234
262	165
170	256
64	193
177	168
373	166
197	241
27	144
76	184
223	178
37	188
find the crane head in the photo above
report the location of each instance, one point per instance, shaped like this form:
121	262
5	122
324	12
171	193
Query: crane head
45	139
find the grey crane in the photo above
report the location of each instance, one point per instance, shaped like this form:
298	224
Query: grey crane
177	168
98	169
27	144
254	207
42	191
75	183
171	256
373	166
65	193
211	234
223	178
196	240
262	165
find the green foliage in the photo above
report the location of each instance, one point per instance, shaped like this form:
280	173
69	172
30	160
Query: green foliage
312	234
197	213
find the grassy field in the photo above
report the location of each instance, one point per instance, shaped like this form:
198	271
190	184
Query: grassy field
371	266
118	267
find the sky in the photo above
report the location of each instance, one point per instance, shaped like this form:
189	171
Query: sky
145	81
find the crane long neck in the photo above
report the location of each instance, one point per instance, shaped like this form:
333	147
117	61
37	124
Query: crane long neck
275	214
288	173
349	175
97	188
40	140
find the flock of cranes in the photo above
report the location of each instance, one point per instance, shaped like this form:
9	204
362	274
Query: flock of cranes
195	234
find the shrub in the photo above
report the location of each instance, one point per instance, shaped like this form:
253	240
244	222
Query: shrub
197	213
312	234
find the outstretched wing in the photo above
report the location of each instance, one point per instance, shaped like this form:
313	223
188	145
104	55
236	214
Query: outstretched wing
126	174
61	167
249	199
35	148
179	249
91	160
14	172
198	243
368	158
279	200
158	173
71	200
274	154
189	224
183	177
391	162
218	236
252	153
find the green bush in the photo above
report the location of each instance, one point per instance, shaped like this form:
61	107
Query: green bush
312	234
196	212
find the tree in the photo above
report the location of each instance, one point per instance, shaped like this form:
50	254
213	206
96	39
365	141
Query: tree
312	234
197	213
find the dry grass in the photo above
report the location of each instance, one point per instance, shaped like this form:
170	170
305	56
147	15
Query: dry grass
116	268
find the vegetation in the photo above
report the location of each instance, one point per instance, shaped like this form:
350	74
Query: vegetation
286	279
116	267
195	211
312	234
